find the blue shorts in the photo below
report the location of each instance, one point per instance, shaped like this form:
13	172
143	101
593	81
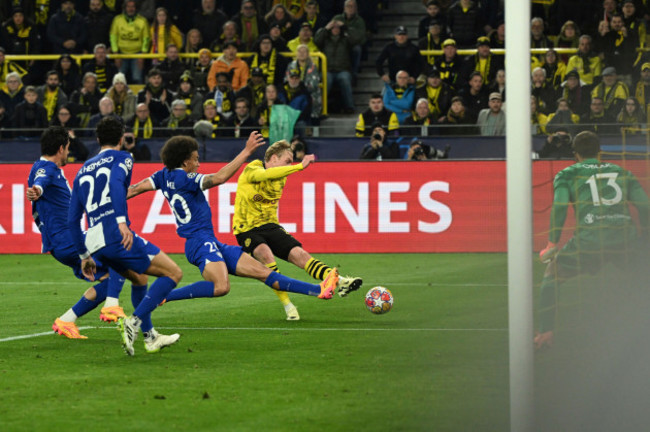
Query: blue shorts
205	249
67	255
137	259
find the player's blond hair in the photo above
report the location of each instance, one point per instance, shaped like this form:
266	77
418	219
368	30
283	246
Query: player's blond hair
277	148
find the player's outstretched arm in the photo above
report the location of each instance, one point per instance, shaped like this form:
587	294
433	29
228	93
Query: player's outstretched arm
142	187
254	141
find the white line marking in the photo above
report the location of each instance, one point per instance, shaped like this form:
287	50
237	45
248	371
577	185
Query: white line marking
33	335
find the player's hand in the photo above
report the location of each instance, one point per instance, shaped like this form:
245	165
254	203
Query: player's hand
543	339
308	160
255	140
127	236
548	253
88	268
33	193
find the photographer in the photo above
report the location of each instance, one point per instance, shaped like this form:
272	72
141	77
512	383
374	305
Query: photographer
299	148
421	152
380	147
139	151
557	146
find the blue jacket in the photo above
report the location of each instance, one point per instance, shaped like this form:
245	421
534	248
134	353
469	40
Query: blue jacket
403	106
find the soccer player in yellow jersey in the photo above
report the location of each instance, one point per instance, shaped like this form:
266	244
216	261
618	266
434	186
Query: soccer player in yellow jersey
256	225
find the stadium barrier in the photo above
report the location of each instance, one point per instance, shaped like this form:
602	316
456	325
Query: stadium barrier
449	206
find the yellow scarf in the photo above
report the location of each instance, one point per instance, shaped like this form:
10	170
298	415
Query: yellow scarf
148	128
268	68
49	102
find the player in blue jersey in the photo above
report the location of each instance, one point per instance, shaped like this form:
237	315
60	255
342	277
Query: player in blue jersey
50	194
100	191
183	188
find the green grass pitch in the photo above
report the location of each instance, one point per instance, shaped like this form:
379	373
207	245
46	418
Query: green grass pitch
437	361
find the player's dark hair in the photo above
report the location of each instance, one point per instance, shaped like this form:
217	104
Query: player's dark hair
52	139
177	150
109	131
587	144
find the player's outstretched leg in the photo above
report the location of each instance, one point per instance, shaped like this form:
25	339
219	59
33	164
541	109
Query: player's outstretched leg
154	341
289	308
319	270
347	284
129	328
67	329
65	324
112	311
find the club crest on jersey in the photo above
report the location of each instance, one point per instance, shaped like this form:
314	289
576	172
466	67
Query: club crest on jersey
589	218
40	173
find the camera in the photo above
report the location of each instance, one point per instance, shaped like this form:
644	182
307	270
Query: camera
377	137
561	140
418	151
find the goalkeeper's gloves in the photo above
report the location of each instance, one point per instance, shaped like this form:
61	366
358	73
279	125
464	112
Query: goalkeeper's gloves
548	253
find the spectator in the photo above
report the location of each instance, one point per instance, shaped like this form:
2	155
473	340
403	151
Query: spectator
241	124
437	93
210	124
612	91
456	121
223	95
269	60
192	45
557	145
418	151
30	117
208	21
376	113
632	23
278	42
171	68
20	36
193	99
164	33
106	109
465	22
298	148
434	12
475	96
311	77
50	94
130	35
450	65
98	25
420	120
281	16
7	67
400	97
102	67
156	96
400	55
545	95
271	97
229	34
312	17
122	97
201	70
356	29
254	90
380	146
65	118
537	37
483	62
10	95
631	117
432	41
586	62
575	93
498	37
229	63
141	124
249	26
85	101
298	97
337	47
642	89
562	118
295	7
499	85
492	120
139	150
305	37
538	120
66	30
69	74
555	69
618	45
178	122
597	119
569	37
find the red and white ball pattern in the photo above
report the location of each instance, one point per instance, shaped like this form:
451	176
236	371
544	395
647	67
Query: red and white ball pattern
379	300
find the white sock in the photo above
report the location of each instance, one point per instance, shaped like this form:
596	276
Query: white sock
150	335
111	301
69	316
288	306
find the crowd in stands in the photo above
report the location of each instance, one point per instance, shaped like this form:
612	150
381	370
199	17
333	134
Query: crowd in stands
604	86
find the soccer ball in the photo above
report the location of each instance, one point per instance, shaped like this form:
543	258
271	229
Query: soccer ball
379	300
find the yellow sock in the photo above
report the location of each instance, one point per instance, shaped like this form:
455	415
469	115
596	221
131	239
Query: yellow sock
317	269
282	295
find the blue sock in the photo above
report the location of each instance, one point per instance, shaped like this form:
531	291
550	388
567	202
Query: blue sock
195	290
84	305
292	285
157	292
137	294
116	281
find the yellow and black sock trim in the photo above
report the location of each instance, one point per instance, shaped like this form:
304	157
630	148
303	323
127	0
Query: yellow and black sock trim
273	266
317	269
